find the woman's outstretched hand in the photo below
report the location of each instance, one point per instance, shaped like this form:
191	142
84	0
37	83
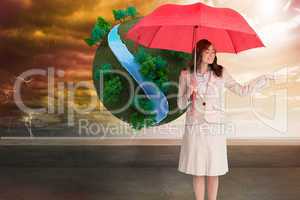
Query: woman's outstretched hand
270	76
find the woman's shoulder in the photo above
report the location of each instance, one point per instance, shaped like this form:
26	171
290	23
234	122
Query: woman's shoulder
224	72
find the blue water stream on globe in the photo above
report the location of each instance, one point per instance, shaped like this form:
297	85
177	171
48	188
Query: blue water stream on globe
127	61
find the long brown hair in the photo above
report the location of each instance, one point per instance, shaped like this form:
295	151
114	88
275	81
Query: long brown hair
201	46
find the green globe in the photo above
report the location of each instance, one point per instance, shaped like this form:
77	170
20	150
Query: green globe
123	95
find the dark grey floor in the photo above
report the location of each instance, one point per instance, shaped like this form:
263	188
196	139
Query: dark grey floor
141	172
143	183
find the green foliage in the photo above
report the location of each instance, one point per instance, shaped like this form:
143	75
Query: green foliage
179	56
153	68
141	55
112	83
160	62
162	80
146	104
96	74
89	41
99	32
131	11
144	115
120	15
101	22
139	121
148	68
105	69
143	105
112	90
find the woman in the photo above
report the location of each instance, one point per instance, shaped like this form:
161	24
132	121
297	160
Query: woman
203	152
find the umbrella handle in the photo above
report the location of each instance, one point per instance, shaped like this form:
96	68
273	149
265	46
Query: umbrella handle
195	63
193	101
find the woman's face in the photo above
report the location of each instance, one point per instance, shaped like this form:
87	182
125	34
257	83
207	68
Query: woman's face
208	55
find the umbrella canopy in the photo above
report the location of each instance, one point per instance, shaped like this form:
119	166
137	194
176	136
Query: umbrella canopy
178	27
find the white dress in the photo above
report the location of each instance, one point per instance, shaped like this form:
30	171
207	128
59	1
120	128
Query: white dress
202	152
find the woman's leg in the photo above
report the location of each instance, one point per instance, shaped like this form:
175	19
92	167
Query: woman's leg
199	187
212	187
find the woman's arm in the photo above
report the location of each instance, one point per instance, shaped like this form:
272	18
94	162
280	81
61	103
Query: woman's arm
184	91
248	88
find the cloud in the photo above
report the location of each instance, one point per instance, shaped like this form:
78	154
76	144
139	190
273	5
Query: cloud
49	33
30	28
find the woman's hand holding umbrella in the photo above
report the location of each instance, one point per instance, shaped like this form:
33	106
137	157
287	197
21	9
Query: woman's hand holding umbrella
193	89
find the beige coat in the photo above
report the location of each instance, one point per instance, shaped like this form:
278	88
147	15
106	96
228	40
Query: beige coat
213	111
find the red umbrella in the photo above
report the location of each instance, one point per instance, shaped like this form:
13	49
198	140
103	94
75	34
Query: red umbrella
179	27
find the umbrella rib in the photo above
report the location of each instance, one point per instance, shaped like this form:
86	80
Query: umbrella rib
231	41
154	36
